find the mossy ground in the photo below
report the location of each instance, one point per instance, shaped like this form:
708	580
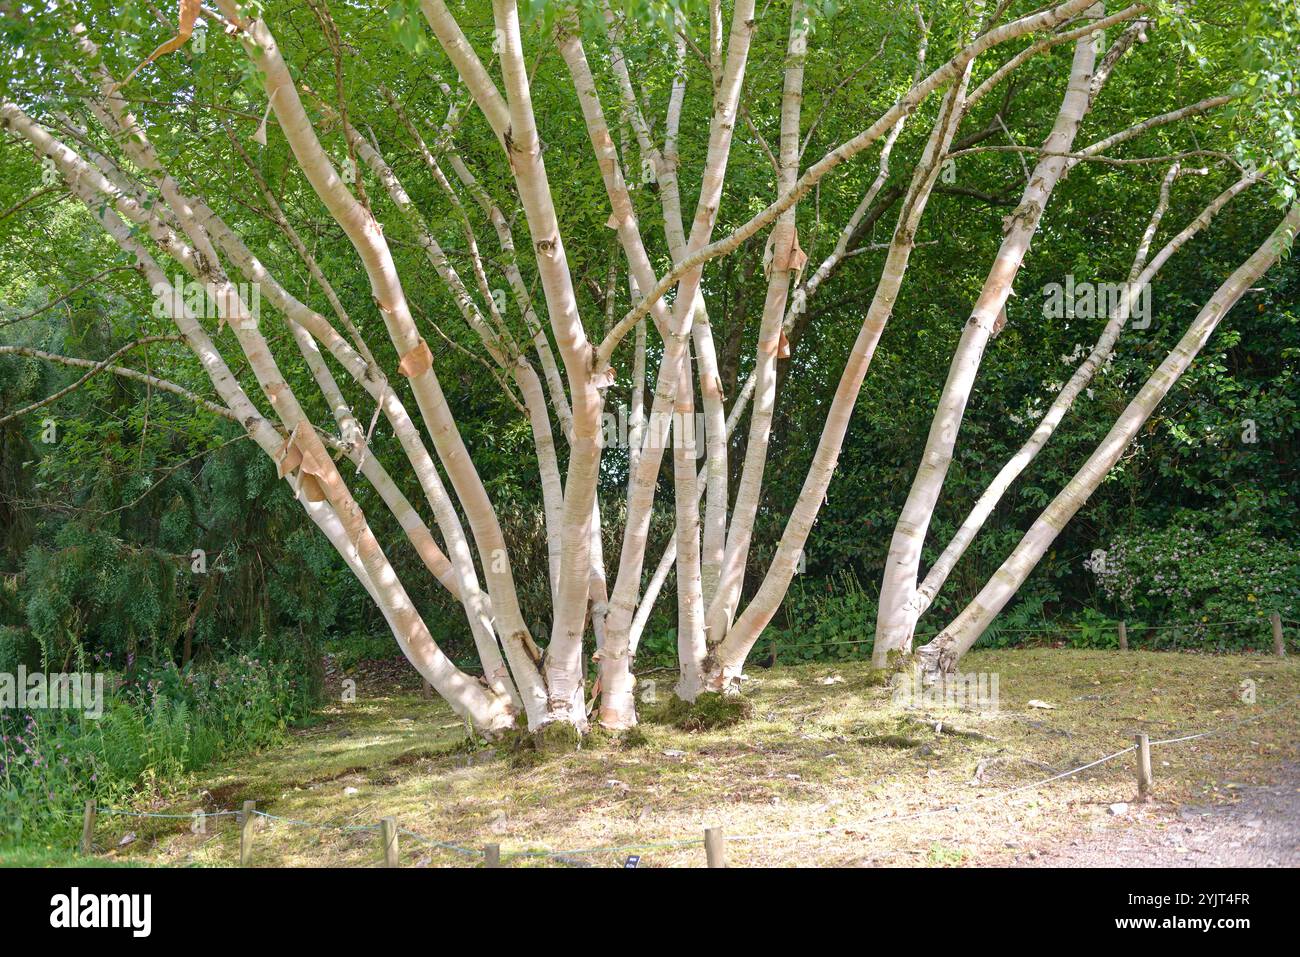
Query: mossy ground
823	746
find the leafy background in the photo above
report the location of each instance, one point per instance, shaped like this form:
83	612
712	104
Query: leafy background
98	527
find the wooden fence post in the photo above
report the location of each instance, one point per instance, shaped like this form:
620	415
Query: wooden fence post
246	833
388	840
491	855
88	828
1279	647
1123	635
1144	765
773	652
715	847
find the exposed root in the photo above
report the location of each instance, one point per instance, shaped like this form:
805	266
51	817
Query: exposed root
936	659
940	727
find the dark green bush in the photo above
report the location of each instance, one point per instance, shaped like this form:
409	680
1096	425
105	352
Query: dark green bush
155	728
828	620
1216	580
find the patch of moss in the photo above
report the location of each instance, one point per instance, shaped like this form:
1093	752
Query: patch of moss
600	738
446	790
940	856
633	737
897	741
557	737
709	711
898	667
524	748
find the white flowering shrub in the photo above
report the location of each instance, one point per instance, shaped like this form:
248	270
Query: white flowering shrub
1221	583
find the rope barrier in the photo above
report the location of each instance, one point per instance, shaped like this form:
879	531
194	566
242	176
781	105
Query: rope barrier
1176	626
178	817
1003	794
315	824
568	856
467	851
614	849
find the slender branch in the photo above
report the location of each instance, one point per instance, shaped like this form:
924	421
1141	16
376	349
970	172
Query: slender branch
69	294
95	368
106	365
845	151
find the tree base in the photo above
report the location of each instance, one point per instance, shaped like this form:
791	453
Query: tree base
557	737
937	659
896	663
524	748
616	739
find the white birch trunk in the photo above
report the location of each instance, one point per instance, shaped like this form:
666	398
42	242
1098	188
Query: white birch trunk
617	706
1141	275
367	238
942	653
787	261
896	618
488	711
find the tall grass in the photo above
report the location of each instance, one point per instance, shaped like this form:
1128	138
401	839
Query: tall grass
153	731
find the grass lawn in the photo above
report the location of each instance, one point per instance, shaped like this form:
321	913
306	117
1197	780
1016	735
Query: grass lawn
825	749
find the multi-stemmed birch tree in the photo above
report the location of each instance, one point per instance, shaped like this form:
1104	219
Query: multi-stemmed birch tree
450	161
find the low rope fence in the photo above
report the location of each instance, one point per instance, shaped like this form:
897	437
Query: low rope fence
714	839
1273	622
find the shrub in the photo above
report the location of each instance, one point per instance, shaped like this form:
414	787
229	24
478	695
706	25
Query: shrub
1217	582
827	620
17	647
356	647
155	728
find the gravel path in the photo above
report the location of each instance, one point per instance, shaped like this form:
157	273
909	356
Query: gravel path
1260	829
